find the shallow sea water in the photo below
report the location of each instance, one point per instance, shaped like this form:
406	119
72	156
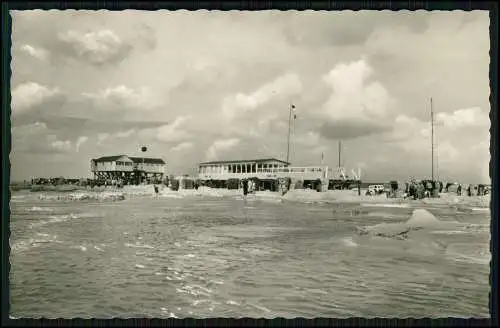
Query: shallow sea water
202	257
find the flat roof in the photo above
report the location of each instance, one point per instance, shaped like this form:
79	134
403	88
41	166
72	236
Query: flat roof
260	160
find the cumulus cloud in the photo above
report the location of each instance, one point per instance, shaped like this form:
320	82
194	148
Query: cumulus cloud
168	133
456	150
165	133
95	47
183	146
410	134
219	146
31	95
80	141
173	132
121	97
61	145
36	138
30	129
124	134
446	152
146	35
281	88
469	117
356	107
38	53
309	139
101	137
340	28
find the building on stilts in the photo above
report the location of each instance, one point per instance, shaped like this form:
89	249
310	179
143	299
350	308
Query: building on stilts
127	170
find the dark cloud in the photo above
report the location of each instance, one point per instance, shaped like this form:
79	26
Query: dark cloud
71	128
351	129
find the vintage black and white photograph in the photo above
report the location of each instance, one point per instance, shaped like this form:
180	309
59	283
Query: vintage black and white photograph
262	164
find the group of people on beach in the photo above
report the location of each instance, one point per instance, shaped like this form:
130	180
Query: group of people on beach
422	189
428	188
248	186
479	190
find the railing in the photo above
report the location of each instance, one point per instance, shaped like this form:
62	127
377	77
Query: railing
309	169
308	172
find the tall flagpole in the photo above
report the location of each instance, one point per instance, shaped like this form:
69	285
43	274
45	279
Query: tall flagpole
143	149
289	130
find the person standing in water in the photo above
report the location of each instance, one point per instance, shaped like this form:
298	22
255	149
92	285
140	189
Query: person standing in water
245	188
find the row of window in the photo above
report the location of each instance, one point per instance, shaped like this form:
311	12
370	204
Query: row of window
125	163
238	168
253	169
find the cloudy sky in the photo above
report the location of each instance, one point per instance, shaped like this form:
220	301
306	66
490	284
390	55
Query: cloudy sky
196	86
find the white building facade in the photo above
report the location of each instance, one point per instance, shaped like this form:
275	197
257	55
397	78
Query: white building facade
268	169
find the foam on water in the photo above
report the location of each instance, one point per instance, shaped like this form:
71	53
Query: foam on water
171	196
450	232
480	209
80	247
348	241
420	219
137	245
59	218
43	240
40	209
84	196
468	253
385	205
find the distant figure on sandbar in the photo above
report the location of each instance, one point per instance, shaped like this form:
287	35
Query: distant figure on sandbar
459	190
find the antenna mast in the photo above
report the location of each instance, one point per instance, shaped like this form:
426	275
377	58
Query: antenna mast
340	150
432	142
